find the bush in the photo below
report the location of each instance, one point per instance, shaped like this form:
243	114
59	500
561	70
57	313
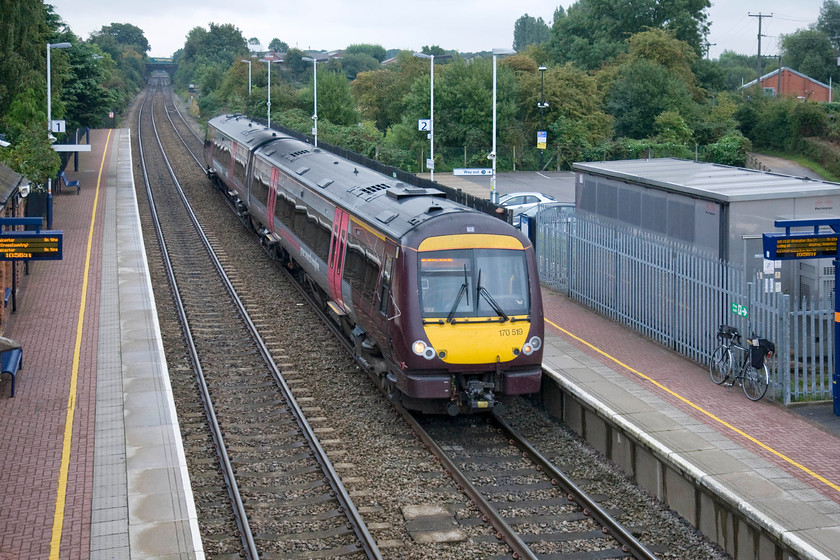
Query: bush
732	149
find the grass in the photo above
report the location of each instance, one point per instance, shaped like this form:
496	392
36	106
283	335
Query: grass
805	162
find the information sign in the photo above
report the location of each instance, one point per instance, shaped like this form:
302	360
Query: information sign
424	125
740	310
473	171
778	246
40	245
542	138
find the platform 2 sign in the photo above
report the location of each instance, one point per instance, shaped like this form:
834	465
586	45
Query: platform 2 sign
32	245
779	246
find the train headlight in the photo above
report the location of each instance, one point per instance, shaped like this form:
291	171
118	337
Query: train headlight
532	345
422	349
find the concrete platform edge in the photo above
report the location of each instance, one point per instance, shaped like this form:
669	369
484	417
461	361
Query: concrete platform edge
671	459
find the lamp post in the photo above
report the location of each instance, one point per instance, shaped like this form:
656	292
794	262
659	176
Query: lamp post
248	62
542	105
431	58
49	124
268	101
314	62
494	197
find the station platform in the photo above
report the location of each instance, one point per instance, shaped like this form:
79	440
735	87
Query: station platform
778	468
91	459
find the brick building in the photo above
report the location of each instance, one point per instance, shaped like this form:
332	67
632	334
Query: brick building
791	83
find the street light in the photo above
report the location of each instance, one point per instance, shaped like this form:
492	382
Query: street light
542	105
268	102
248	62
494	197
50	126
314	62
431	58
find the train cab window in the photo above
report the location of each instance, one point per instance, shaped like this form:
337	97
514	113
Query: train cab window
460	283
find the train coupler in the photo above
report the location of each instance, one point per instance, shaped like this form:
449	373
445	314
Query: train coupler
480	396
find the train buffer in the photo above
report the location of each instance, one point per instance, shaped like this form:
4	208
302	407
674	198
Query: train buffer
11	361
62	178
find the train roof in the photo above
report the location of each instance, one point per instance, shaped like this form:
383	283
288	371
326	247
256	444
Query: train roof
386	204
243	130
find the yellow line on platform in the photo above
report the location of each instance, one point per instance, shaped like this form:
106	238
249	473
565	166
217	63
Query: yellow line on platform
700	409
61	494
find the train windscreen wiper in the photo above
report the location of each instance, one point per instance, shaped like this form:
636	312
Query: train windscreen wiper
461	293
482	291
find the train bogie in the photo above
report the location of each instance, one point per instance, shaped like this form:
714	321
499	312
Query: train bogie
442	302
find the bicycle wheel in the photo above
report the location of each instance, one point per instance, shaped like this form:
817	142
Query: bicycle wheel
756	382
721	364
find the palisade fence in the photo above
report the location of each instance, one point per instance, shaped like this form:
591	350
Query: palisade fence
678	296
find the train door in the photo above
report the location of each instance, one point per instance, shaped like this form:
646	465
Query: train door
338	246
233	147
271	203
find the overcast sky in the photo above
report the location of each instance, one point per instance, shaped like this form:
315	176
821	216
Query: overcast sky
463	25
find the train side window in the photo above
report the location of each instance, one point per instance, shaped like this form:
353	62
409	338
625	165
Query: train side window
385	290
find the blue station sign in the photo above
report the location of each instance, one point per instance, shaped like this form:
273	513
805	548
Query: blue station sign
32	245
781	246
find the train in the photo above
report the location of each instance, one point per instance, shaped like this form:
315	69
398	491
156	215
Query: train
441	301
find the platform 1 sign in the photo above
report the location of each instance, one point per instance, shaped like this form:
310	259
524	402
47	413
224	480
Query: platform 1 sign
32	245
780	246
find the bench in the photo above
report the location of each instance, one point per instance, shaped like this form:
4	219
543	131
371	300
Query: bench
10	362
62	177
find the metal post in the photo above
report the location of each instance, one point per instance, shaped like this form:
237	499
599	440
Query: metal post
49	125
835	380
248	62
542	106
432	109
493	198
315	99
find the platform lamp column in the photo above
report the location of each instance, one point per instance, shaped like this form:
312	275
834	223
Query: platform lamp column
431	58
314	62
494	196
542	105
268	101
248	62
49	125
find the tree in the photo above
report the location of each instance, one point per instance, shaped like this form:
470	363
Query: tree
277	45
353	63
373	51
335	102
595	31
530	31
810	52
126	35
829	21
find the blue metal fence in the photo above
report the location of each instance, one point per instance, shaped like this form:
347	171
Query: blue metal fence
677	296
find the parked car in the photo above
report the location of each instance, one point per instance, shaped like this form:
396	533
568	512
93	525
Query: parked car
519	202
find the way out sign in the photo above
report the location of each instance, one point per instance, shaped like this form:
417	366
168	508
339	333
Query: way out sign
740	310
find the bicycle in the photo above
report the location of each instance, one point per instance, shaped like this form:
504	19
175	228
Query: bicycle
753	375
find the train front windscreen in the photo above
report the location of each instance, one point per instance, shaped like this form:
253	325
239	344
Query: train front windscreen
473	283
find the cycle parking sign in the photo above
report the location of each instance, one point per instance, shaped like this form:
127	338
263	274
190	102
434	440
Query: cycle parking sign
740	310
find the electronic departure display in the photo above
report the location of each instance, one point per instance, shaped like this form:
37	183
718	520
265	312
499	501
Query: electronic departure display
779	246
33	245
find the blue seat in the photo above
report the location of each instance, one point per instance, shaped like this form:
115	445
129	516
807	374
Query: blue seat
62	177
10	362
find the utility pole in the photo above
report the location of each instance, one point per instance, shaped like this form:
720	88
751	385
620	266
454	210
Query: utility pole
760	16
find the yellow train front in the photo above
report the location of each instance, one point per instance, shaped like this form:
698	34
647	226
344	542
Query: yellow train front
471	327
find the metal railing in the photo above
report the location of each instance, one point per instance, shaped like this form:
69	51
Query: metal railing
677	296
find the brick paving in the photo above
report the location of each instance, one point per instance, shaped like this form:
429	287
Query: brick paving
799	439
32	424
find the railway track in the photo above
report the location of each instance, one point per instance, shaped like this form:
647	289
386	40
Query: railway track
389	472
288	501
534	507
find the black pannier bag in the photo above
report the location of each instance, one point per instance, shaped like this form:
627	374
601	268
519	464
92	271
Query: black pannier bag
725	331
757	353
